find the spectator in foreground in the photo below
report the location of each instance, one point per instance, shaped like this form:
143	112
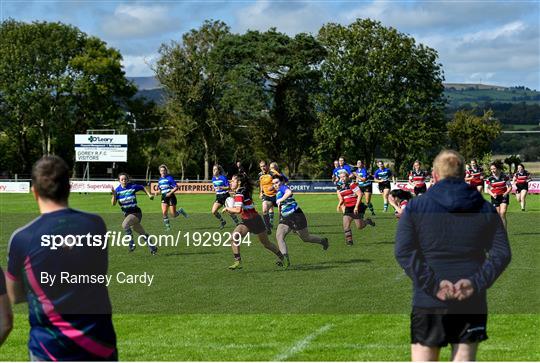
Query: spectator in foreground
453	245
68	321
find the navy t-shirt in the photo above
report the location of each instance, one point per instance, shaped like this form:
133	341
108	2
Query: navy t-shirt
68	321
2	282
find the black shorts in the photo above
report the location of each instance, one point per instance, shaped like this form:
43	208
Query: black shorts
500	200
349	211
520	187
272	199
420	190
438	327
296	221
367	188
168	200
221	198
254	225
384	185
137	212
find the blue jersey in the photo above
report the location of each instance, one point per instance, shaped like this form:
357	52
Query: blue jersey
363	173
126	197
220	182
384	174
166	184
339	169
289	205
68	320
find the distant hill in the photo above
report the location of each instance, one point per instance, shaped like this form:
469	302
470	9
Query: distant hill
457	94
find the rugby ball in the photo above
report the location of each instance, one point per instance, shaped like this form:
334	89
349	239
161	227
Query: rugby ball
229	202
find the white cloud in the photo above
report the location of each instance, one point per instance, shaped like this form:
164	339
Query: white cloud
290	18
140	65
507	30
138	21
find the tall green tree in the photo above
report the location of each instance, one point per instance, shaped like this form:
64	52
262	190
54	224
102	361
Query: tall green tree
381	92
193	90
59	81
473	135
272	79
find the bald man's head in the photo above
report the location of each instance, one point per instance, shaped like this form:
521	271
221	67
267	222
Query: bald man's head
449	164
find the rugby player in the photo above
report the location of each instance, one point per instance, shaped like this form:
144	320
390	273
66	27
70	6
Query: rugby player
474	175
167	187
417	179
350	197
291	218
251	220
382	177
499	187
335	173
68	322
274	170
221	186
399	199
124	195
268	195
6	315
521	180
364	181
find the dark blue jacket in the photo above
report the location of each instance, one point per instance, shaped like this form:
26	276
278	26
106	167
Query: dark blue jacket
451	233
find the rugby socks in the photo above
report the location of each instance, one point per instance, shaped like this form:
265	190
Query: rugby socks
219	217
370	206
271	219
131	242
166	222
237	256
348	236
385	207
235	219
266	219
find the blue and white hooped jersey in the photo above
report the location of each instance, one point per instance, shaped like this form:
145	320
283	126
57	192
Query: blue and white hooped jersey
339	169
363	173
289	205
219	183
384	174
166	184
126	196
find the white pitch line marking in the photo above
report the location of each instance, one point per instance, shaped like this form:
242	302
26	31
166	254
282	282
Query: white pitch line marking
302	344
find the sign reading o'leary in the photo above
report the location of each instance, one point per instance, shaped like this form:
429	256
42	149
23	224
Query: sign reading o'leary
101	148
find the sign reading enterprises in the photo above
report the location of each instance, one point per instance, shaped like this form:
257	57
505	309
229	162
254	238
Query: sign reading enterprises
96	148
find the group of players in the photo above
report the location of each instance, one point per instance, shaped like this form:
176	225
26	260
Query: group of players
352	185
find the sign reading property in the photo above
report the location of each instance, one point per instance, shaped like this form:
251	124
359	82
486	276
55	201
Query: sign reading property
96	148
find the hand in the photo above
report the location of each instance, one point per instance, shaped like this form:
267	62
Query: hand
463	289
446	291
168	194
355	210
338	209
113	191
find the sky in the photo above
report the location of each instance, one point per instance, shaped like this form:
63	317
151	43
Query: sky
490	42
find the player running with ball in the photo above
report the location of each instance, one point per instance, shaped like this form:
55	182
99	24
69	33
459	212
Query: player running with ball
221	186
349	195
167	186
251	220
124	195
292	218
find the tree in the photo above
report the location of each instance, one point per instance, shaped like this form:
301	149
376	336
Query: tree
381	91
272	79
473	135
58	81
192	89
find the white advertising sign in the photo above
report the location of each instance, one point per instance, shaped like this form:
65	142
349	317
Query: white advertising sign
93	186
14	187
101	148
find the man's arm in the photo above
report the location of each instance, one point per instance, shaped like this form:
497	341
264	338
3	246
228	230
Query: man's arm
410	257
499	256
15	291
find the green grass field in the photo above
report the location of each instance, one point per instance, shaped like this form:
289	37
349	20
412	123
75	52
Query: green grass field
348	303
